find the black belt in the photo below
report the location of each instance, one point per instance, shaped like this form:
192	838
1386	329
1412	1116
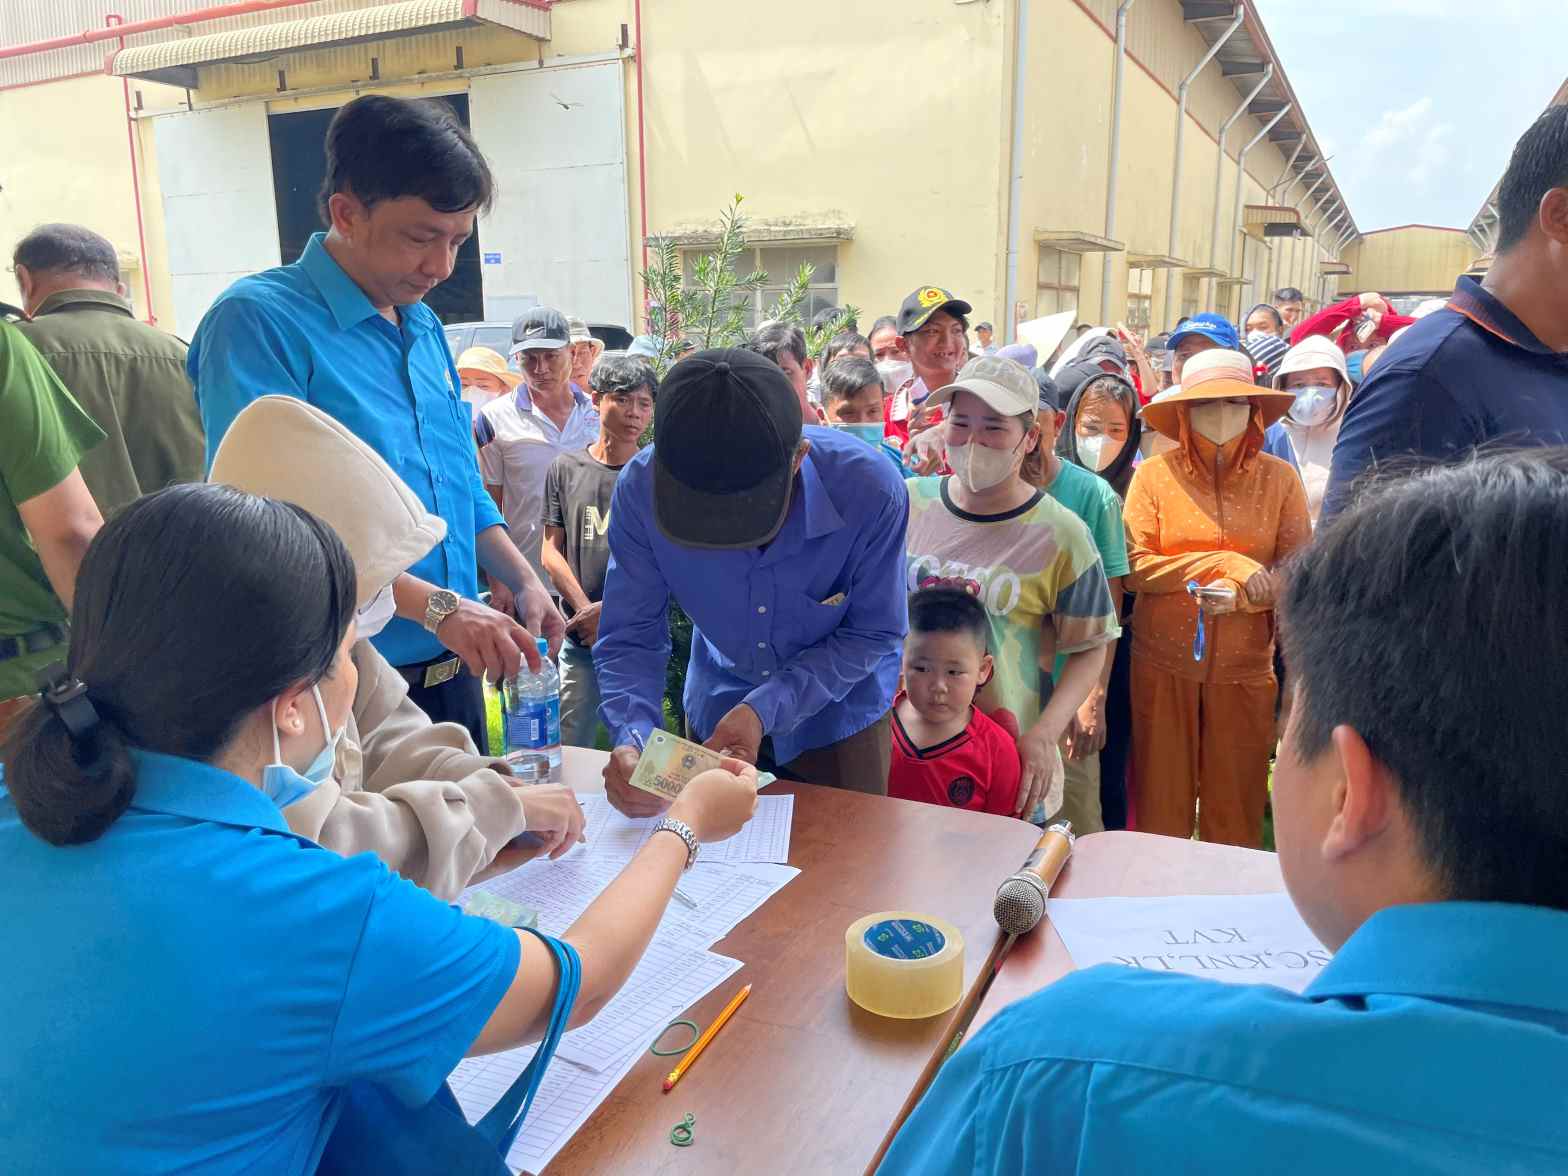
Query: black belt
432	673
35	642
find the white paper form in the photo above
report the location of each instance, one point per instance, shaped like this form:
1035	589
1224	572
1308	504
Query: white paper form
566	1097
1240	939
667	980
613	836
561	891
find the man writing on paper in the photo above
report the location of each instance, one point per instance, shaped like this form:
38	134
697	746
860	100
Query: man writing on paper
785	547
1422	832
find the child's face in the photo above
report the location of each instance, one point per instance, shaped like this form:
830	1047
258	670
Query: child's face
863	408
942	672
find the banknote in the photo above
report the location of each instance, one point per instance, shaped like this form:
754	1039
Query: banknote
500	910
668	763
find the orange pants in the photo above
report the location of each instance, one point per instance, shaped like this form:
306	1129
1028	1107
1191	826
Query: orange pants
1201	745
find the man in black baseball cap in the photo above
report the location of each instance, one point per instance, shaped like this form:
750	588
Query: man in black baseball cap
785	547
935	328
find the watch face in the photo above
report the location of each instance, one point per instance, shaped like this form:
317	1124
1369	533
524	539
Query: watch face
443	601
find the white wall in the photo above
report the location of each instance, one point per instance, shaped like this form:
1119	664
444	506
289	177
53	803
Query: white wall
555	139
215	168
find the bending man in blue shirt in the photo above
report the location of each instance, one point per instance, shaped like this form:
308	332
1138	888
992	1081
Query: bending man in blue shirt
344	328
1422	832
785	547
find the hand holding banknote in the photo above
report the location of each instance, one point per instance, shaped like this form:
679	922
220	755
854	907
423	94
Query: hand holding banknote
718	801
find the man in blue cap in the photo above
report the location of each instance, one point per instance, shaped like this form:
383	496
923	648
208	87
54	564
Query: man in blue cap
1204	332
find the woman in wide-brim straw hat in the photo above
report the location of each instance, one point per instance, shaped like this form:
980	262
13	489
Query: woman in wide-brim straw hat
1216	512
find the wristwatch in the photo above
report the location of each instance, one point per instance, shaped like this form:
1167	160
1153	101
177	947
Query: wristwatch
682	830
441	605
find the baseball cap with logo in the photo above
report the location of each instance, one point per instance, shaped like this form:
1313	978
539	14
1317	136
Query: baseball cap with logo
726	427
542	328
925	302
1004	385
1215	327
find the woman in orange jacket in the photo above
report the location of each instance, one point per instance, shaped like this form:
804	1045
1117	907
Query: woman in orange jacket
1207	524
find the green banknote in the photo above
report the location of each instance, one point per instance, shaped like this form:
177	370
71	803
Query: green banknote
669	762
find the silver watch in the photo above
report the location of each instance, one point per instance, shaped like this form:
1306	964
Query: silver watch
682	830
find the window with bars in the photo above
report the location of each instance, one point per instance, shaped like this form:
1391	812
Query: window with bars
1140	297
1057	281
781	263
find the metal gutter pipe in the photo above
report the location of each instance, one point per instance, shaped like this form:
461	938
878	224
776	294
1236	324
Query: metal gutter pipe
1176	164
1241	175
1219	169
1308	194
1116	150
1015	163
1284	175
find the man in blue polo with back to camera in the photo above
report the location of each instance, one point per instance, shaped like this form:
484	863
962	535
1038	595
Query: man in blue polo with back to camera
1423	831
785	547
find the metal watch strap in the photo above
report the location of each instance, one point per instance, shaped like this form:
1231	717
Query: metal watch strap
682	830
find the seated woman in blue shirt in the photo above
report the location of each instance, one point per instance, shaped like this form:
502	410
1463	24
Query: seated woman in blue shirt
191	985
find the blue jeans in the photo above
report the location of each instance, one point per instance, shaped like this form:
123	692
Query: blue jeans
579	696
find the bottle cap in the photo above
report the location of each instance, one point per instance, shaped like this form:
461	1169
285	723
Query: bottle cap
542	645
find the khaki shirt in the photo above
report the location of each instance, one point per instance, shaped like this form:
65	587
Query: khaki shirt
417	794
130	378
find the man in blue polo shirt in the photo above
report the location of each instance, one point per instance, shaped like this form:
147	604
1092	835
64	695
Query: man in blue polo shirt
785	547
344	328
1492	366
1422	835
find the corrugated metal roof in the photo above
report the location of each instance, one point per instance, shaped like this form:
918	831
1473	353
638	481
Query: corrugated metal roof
174	61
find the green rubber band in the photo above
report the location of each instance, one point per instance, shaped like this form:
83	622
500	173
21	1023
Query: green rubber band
671	1053
681	1134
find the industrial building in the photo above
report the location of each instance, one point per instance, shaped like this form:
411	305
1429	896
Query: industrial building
1134	159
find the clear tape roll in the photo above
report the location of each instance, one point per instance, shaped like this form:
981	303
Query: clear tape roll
904	965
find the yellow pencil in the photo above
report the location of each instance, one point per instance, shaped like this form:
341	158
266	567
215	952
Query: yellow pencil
707	1035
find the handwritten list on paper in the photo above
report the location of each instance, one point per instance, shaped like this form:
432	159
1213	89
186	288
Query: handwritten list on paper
1239	939
613	836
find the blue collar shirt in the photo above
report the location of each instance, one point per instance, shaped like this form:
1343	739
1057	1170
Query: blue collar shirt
1469	375
1436	1041
808	631
308	330
193	990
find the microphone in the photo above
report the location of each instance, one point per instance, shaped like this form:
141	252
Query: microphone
1020	900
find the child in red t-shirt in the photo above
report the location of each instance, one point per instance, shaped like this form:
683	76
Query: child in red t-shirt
944	750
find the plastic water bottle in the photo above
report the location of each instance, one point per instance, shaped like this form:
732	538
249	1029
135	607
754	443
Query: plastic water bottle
531	721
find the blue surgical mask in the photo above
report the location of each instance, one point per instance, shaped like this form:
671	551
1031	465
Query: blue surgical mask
868	431
1314	405
282	784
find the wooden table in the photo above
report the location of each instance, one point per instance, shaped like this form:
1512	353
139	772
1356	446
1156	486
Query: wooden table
1125	865
802	1080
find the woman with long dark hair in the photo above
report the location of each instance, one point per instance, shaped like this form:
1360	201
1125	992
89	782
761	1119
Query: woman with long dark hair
191	985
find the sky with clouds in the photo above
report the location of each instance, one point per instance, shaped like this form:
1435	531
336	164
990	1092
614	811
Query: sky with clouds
1419	101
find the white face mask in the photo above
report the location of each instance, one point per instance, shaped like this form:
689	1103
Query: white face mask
1314	404
979	467
1220	421
894	372
375	615
1099	451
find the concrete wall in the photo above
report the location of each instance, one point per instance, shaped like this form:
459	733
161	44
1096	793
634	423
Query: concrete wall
897	124
1410	259
68	159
